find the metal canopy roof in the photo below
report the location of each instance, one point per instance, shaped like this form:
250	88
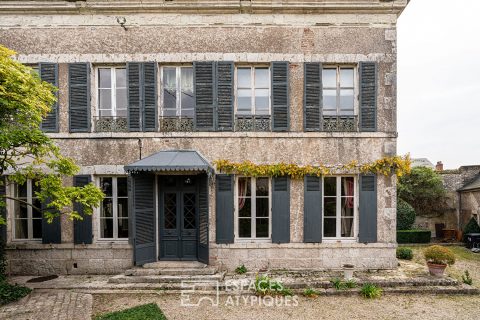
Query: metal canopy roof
475	184
171	160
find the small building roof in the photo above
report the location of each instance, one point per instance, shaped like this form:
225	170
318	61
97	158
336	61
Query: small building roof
171	160
475	184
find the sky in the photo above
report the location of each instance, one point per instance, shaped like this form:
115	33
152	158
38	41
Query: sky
439	81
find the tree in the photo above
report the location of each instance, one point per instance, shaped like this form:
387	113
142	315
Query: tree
405	215
423	189
28	153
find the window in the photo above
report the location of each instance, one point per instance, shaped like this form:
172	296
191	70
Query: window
338	207
338	91
114	209
178	92
112	92
27	220
253	90
253	208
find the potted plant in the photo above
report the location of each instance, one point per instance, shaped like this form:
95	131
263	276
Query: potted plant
438	258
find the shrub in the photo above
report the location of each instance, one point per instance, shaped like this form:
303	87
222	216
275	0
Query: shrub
404	253
439	255
471	227
370	291
466	278
350	284
265	286
241	269
405	215
414	236
10	292
311	293
338	284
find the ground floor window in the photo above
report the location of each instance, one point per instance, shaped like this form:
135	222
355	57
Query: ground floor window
253	203
27	222
114	209
339	207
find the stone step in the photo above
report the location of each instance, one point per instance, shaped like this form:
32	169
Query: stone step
179	279
175	265
171	271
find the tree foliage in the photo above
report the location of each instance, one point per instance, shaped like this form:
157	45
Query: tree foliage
405	215
26	152
423	189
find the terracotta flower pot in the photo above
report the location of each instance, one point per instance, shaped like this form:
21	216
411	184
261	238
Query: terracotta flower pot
436	270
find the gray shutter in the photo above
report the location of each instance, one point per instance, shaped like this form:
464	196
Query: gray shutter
49	73
280	96
144	219
51	232
281	210
368	209
312	212
224	208
134	96
203	220
149	96
3	208
312	100
79	96
204	77
224	91
368	96
82	229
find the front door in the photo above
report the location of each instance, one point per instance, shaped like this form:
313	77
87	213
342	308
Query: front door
178	198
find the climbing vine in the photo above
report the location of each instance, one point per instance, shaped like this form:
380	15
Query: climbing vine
398	165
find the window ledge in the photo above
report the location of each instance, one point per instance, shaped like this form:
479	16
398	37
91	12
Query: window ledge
301	245
40	246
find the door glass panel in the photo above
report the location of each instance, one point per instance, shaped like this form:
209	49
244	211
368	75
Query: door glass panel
170	205
189	211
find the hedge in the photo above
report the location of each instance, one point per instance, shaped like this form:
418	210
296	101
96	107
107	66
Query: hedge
414	236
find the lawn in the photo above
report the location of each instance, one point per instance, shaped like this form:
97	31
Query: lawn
144	312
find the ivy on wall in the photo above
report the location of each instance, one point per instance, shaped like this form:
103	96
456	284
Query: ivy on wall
397	165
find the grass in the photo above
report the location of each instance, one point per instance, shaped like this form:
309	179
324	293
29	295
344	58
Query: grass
144	312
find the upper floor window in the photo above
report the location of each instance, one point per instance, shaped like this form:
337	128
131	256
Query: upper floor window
253	203
112	92
178	99
114	209
338	91
27	222
339	207
253	90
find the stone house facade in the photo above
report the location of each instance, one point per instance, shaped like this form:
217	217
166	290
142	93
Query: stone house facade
151	93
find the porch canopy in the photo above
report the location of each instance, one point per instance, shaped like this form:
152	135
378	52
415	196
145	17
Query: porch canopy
171	160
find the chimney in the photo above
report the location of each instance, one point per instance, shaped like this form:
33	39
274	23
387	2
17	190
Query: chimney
439	166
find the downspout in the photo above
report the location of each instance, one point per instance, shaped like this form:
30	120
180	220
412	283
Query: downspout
140	147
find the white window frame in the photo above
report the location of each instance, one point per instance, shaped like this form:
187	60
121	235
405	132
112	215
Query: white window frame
29	218
113	88
115	210
339	209
178	85
338	88
254	211
252	88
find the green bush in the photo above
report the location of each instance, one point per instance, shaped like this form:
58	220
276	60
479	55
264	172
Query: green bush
10	292
414	236
405	215
265	286
310	292
241	269
466	278
471	227
404	253
370	291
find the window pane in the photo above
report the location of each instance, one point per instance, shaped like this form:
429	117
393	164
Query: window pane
21	229
347	227
330	209
106	113
347	207
37	228
123	228
121	78
262	228
244	207
244	100
245	228
106	228
348	187
122	207
169	88
346	77
329	227
262	100
36	213
22	190
330	185
122	187
262	187
106	185
244	78
262	207
35	188
329	78
330	99
262	78
105	78
121	100
346	99
107	208
244	187
105	99
21	210
187	92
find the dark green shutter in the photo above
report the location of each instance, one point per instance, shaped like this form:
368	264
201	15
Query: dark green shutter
3	208
281	210
144	219
224	209
280	96
49	73
312	101
224	91
312	211
79	96
368	96
149	96
82	229
203	219
368	209
134	96
204	77
51	232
